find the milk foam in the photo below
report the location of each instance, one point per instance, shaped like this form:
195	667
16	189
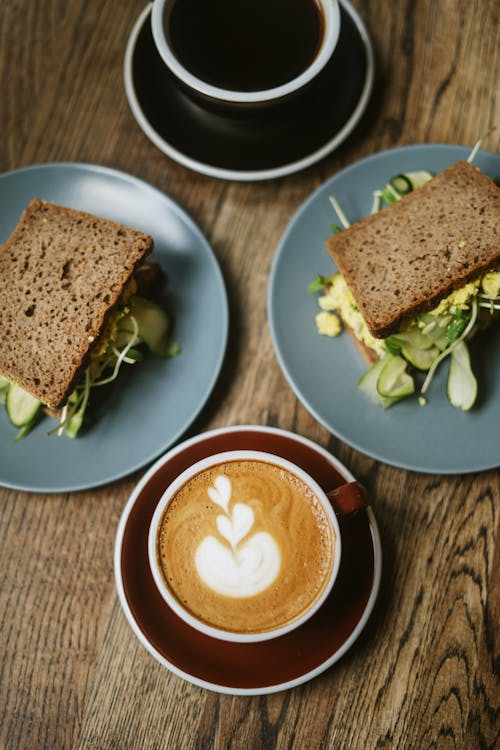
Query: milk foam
241	570
215	537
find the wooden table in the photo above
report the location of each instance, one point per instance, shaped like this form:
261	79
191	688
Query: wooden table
425	672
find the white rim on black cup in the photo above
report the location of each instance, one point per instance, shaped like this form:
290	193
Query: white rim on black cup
156	523
331	18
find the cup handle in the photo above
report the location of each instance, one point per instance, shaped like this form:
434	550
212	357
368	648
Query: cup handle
349	498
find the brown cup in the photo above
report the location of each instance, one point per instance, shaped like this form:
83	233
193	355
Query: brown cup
348	498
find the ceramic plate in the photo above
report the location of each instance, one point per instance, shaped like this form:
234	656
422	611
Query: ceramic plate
281	139
249	668
149	408
324	372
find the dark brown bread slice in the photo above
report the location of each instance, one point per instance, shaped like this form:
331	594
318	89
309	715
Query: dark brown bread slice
404	259
61	273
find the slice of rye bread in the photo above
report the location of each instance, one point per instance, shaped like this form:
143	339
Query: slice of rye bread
61	273
407	257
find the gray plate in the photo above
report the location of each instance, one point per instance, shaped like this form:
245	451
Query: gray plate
324	372
149	408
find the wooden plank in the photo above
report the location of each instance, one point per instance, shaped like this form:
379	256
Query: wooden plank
425	672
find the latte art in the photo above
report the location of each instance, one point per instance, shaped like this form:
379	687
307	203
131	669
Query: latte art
245	546
244	569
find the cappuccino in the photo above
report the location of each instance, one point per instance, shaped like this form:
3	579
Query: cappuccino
245	546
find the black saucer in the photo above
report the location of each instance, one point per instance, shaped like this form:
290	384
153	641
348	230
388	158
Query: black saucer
278	140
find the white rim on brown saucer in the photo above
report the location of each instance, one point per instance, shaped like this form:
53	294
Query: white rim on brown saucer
267	689
179	482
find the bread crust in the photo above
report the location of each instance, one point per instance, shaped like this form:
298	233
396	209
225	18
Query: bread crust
407	257
62	273
369	356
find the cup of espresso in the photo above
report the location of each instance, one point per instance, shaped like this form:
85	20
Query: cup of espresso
236	53
245	546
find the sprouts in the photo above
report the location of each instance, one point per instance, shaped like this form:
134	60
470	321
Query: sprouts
450	348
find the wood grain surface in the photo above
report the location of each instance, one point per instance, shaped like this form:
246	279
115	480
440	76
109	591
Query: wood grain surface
425	673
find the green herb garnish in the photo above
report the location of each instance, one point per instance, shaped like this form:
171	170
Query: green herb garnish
457	325
317	284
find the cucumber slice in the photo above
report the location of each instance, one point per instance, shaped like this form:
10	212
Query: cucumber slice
394	381
422	359
4	387
23	431
462	385
434	329
74	424
417	179
153	323
417	348
389	195
21	406
401	184
413	337
442	343
368	384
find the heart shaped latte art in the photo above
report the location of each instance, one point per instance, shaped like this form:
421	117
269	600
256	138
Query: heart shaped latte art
220	493
238	573
239	570
235	527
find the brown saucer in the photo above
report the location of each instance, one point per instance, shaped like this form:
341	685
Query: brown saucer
254	668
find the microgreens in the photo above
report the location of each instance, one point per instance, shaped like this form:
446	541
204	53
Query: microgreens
73	412
342	217
450	348
488	303
477	146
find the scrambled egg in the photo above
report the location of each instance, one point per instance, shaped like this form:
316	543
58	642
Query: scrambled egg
338	298
328	323
459	299
490	284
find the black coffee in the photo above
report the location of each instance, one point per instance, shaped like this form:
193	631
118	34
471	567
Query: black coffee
245	45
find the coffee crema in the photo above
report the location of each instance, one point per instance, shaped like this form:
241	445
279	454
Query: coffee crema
246	546
245	47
